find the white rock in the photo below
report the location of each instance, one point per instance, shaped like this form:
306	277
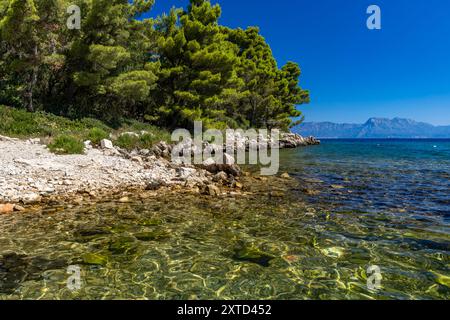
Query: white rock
228	159
209	162
31	198
106	144
185	173
131	134
88	144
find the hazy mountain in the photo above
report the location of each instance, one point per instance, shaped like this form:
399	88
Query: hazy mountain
374	128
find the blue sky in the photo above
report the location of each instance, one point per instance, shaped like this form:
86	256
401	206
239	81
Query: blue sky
354	73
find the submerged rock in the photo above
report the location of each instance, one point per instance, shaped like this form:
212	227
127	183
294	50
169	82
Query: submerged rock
151	222
253	255
94	259
123	245
285	176
212	190
152	235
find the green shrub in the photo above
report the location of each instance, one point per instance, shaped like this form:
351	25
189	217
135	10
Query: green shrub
96	135
127	141
20	123
65	144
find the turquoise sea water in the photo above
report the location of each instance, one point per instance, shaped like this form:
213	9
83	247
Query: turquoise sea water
412	175
350	205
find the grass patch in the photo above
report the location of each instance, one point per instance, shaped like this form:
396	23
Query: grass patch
95	135
65	144
22	124
68	134
144	141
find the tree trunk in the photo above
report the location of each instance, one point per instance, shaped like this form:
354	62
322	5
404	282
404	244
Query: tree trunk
32	82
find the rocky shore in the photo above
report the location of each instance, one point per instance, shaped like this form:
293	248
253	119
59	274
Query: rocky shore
31	175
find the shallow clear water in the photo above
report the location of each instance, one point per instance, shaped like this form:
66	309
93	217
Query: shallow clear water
351	205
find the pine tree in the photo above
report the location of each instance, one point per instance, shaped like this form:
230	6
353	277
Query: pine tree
20	42
197	67
108	59
270	95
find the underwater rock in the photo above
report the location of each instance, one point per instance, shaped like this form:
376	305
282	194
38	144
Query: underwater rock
285	176
277	194
151	222
94	259
92	231
333	252
212	190
124	200
253	255
17	268
123	245
152	235
442	280
310	192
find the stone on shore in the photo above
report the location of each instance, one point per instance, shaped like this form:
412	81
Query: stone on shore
285	176
213	190
31	198
106	144
6	208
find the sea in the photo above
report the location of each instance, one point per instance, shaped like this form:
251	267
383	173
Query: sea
358	219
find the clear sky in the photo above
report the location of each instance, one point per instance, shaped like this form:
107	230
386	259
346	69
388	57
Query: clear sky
354	73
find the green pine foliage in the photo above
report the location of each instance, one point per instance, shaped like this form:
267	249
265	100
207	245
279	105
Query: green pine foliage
168	71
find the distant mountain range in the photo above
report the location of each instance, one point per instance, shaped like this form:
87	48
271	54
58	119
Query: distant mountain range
373	128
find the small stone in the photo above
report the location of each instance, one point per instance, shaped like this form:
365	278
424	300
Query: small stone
6	208
228	159
106	144
94	259
310	192
239	185
88	144
124	200
31	198
277	194
152	235
209	162
153	186
220	177
18	208
285	176
213	190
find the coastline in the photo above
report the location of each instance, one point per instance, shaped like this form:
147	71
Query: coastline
31	175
